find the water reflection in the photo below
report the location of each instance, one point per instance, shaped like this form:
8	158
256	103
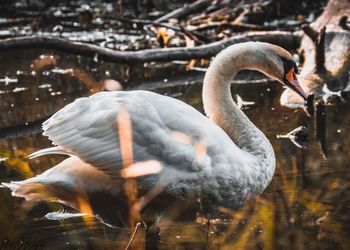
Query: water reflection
305	206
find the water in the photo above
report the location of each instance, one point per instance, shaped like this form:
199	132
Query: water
305	207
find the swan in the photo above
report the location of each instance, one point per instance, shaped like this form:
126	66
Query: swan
225	159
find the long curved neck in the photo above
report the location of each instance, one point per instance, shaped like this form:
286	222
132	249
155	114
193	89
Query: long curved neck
220	107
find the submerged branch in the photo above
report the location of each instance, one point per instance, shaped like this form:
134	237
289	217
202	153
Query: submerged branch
284	39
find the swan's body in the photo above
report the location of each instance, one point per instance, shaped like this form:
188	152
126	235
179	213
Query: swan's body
238	161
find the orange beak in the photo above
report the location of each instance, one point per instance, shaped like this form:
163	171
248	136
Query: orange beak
292	82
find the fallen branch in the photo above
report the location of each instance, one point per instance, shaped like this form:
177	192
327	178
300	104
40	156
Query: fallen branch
285	39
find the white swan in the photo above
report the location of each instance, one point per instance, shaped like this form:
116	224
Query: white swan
238	160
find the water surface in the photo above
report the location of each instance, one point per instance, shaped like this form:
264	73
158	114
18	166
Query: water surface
307	205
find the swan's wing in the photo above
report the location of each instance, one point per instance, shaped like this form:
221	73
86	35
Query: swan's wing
88	128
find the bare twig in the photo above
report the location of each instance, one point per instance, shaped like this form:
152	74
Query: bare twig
184	11
137	226
284	39
234	27
147	22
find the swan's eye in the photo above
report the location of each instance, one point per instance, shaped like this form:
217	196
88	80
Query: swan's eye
289	65
296	70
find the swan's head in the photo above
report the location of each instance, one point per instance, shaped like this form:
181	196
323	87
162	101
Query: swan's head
279	65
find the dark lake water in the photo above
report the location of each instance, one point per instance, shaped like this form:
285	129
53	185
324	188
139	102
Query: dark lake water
307	205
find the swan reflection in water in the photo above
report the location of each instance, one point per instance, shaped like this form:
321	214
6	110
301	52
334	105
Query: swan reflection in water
141	150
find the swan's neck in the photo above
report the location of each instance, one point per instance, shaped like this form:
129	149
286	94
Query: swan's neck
220	107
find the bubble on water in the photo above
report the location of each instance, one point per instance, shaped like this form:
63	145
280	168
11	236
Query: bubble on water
44	86
46	73
56	93
19	89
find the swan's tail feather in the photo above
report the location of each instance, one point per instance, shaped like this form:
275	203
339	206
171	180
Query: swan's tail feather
10	185
35	191
52	150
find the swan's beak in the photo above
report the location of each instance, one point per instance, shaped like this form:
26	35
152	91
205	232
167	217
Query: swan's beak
290	79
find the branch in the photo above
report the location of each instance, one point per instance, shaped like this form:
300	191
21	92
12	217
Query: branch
318	39
184	11
310	32
284	39
320	50
241	27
